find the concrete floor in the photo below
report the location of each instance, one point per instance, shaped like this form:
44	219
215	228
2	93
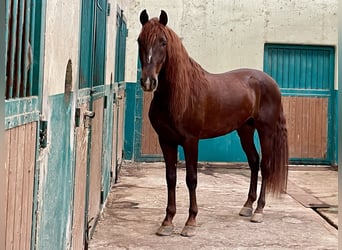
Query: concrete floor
136	207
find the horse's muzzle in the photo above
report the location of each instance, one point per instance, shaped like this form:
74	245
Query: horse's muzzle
149	84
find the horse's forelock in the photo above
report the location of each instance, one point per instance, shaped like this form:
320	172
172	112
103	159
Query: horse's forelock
150	32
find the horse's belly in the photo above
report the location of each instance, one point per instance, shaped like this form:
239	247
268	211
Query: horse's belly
219	125
215	132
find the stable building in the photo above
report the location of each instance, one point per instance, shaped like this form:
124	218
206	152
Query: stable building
75	110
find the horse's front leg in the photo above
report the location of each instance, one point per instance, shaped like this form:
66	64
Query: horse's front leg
191	158
170	157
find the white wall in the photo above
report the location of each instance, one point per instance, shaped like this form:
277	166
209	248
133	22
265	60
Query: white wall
222	35
61	43
111	35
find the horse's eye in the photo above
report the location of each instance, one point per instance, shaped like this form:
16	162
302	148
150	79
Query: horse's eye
162	41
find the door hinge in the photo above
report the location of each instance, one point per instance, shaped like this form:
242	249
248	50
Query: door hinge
105	102
102	198
114	98
108	9
77	117
42	134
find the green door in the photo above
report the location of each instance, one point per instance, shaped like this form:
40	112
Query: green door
305	75
23	36
225	148
90	109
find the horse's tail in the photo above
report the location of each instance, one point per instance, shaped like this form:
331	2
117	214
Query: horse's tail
276	182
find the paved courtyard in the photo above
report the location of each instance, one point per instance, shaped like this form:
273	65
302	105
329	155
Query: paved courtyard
136	207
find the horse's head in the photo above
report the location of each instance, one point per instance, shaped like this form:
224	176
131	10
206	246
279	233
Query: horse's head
152	49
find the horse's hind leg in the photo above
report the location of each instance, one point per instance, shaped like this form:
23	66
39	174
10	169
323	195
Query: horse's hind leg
266	148
246	134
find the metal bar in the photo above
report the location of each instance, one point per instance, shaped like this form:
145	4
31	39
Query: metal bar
29	87
27	52
11	47
7	11
117	46
18	50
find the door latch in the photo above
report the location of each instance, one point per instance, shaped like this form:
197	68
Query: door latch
42	134
87	116
88	113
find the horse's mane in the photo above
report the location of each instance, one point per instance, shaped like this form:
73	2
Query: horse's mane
185	76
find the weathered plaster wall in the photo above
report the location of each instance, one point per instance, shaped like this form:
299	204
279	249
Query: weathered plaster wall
62	37
56	161
223	35
61	43
111	35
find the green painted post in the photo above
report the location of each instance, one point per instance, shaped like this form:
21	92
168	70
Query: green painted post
100	44
340	97
339	132
2	118
86	42
38	17
38	13
129	120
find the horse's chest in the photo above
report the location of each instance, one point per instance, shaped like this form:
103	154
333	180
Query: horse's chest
172	127
162	122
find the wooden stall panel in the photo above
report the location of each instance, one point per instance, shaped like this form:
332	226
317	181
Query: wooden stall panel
307	123
95	163
149	138
114	141
78	227
21	143
121	119
118	127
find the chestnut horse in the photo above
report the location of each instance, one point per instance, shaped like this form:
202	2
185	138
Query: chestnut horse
191	104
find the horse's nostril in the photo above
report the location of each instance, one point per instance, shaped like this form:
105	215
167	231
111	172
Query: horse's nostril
149	83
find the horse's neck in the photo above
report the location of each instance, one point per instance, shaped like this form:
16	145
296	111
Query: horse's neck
179	88
183	80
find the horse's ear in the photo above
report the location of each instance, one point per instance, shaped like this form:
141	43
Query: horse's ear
143	17
163	18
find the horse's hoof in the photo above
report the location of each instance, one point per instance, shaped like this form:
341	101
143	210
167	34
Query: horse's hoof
188	231
246	212
257	217
165	230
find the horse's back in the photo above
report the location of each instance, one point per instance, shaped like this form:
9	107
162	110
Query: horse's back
243	81
246	74
267	93
258	81
250	85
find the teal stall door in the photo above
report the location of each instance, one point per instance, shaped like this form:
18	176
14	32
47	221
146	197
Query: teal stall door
225	148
